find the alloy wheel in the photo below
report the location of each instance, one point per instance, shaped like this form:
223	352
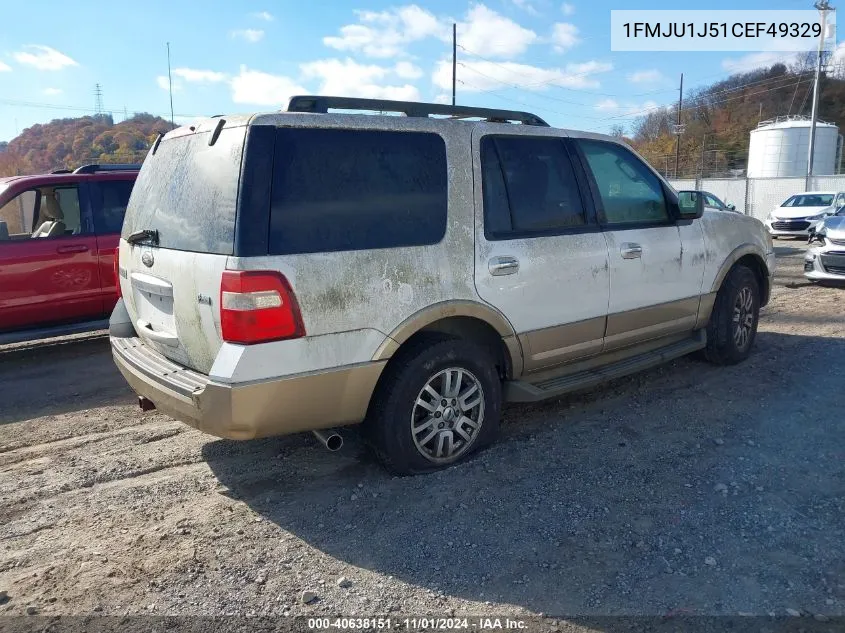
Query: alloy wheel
743	318
447	415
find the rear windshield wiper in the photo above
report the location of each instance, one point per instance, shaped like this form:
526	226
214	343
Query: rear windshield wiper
143	235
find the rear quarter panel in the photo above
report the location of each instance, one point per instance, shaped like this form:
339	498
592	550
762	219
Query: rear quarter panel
373	291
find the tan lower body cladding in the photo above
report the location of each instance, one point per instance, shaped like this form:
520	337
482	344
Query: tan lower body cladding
563	343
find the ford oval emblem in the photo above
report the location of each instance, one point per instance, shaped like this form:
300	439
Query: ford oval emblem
147	258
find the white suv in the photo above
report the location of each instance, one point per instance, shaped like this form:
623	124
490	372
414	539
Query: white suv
308	269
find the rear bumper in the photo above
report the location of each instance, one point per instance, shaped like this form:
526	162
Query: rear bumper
244	411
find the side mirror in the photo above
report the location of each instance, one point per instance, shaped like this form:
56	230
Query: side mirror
690	205
732	206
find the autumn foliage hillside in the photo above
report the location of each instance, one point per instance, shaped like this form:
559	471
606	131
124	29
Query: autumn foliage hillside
718	118
69	143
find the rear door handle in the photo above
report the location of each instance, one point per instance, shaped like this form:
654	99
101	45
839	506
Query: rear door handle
499	266
630	250
73	248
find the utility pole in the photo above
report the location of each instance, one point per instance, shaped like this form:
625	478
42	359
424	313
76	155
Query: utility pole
703	147
170	85
454	59
678	129
823	7
760	115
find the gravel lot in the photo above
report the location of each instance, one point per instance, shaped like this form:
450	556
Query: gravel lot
687	489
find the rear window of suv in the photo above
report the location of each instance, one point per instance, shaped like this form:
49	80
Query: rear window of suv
188	190
340	190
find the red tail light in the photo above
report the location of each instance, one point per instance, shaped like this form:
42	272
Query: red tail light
257	307
117	271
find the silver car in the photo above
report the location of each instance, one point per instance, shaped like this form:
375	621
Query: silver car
825	260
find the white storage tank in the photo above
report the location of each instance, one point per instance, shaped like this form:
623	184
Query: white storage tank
779	148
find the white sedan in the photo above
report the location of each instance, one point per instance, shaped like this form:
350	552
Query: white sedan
799	212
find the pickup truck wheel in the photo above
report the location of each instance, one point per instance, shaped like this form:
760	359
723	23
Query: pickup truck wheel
733	323
439	402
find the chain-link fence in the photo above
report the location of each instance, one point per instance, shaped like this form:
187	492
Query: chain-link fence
757	197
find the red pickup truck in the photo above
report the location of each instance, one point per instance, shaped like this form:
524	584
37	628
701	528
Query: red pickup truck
58	236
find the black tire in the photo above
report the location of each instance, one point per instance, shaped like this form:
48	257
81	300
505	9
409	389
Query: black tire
724	345
388	427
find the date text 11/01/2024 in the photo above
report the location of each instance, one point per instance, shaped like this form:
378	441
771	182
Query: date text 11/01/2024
412	624
714	30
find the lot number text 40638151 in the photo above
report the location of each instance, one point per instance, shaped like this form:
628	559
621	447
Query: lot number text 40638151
417	624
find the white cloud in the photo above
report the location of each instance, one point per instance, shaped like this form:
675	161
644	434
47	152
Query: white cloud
568	9
5	68
348	78
646	76
52	92
250	35
164	84
564	36
406	70
199	76
487	33
481	75
526	6
259	88
443	98
384	34
419	24
43	58
263	15
628	108
607	105
757	60
589	68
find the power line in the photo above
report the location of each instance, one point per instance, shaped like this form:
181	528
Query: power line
627	115
56	106
696	103
631	115
518	87
551	82
529	105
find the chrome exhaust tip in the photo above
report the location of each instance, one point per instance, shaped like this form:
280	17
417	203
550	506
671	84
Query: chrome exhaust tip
330	438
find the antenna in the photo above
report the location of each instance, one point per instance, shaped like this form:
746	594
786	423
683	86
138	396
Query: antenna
170	86
98	100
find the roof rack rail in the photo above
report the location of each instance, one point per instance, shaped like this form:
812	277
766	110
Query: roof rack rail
94	167
60	171
318	104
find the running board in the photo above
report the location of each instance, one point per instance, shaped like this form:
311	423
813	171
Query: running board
521	391
24	336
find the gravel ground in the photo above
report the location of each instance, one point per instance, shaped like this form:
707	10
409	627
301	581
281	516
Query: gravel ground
687	489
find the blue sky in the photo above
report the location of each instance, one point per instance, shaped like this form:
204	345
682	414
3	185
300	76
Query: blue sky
547	56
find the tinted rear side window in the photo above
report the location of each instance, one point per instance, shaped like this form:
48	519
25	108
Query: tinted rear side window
109	199
340	190
534	191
